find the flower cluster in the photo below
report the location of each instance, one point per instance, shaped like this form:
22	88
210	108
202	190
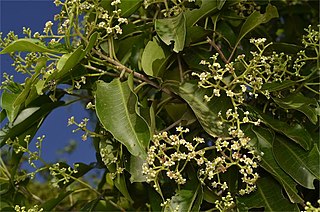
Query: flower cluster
225	203
80	126
35	208
62	174
311	208
246	7
170	155
171	8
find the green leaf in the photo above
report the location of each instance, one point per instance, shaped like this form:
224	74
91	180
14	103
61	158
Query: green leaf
29	45
301	165
206	112
128	7
267	195
220	4
153	59
185	199
268	162
296	132
115	108
207	7
70	60
172	29
277	86
301	103
255	19
120	182
7	104
50	204
136	169
27	119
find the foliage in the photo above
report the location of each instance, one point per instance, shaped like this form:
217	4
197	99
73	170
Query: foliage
208	105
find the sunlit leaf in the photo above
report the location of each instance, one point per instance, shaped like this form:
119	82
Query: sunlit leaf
29	45
153	59
115	107
172	30
7	103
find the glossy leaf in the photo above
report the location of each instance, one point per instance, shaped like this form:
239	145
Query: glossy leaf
185	199
267	195
255	19
172	30
115	108
268	162
151	56
296	132
301	165
206	112
129	6
29	45
301	103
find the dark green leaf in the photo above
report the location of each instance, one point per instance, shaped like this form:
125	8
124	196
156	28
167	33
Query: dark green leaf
29	45
296	132
277	86
267	195
268	162
207	7
220	4
120	182
206	112
255	19
115	107
186	198
301	103
129	6
50	204
301	165
172	30
27	119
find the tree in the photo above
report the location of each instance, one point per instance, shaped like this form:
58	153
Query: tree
200	105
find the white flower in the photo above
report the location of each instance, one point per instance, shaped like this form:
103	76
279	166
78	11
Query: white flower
230	93
216	92
115	2
243	88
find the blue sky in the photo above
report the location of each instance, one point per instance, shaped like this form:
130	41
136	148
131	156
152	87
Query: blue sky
34	14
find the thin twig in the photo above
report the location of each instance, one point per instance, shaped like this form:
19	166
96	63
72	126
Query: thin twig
216	47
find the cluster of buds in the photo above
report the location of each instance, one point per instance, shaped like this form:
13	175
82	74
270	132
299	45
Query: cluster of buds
61	174
34	208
